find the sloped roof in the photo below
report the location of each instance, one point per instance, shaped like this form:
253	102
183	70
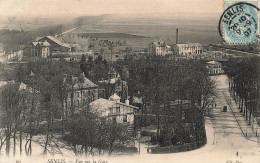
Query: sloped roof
35	43
45	43
54	39
102	104
19	86
87	83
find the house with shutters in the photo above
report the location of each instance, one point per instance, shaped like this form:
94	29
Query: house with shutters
40	49
113	109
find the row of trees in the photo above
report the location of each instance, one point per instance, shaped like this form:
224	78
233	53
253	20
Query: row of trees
33	111
170	89
244	75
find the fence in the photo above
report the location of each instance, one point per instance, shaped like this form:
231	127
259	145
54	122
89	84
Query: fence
18	54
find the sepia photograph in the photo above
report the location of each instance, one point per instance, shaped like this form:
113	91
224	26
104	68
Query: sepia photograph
129	81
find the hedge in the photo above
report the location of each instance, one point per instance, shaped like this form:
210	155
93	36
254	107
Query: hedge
177	148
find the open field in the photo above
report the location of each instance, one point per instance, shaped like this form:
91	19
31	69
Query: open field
110	35
202	31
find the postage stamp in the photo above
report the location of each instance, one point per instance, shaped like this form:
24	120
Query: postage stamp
240	22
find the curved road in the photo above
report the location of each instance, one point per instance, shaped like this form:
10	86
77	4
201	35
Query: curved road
223	130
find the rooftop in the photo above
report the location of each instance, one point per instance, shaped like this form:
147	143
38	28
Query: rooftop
102	104
159	43
54	39
188	44
87	83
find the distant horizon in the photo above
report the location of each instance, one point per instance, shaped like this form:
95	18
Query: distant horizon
69	9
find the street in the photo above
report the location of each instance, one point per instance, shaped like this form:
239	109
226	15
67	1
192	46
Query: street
225	140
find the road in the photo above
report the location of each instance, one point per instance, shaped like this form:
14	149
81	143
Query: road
222	129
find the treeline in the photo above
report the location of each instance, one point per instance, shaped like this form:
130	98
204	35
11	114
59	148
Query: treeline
39	109
176	92
23	108
244	77
13	40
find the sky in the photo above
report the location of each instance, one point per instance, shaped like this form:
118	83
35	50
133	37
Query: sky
72	8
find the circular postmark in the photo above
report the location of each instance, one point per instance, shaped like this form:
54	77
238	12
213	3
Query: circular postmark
239	23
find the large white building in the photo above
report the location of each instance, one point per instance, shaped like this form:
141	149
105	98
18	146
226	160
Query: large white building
188	49
159	48
115	110
214	67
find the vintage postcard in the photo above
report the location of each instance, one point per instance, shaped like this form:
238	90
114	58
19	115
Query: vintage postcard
118	81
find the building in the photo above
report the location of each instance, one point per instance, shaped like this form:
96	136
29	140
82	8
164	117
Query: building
159	48
82	92
18	55
114	85
40	49
55	44
214	67
188	50
115	110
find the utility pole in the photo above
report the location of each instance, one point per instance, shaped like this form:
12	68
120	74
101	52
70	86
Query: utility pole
177	32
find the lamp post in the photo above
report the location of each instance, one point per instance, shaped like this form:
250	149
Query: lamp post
139	137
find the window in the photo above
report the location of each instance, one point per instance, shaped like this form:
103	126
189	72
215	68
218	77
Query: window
114	110
118	109
125	118
77	94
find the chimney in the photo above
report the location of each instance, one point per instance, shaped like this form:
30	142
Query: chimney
127	102
177	36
